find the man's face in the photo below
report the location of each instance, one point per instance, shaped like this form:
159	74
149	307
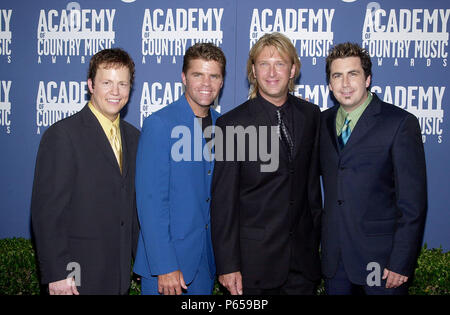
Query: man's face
272	71
203	81
348	82
110	90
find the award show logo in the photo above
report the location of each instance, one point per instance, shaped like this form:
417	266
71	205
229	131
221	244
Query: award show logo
58	100
412	35
425	102
5	34
317	94
156	95
169	32
5	105
74	32
310	30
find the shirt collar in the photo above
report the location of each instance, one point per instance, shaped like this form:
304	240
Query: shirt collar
353	116
104	122
271	107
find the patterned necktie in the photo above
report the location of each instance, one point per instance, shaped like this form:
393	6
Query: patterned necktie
345	133
284	135
115	144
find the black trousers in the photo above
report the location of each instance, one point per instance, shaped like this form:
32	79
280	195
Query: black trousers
296	284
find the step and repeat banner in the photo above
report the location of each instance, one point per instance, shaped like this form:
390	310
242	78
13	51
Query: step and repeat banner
46	45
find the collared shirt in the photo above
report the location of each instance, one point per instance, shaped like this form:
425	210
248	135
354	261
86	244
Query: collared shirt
286	110
106	123
353	116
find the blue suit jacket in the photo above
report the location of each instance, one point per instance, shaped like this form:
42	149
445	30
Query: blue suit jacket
173	180
375	192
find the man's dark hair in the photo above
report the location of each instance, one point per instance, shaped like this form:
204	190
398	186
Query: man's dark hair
205	51
345	50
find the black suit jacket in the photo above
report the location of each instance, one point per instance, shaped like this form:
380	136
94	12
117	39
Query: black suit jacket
265	224
83	209
375	192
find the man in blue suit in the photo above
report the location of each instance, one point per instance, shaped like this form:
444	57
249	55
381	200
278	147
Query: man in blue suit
173	177
374	179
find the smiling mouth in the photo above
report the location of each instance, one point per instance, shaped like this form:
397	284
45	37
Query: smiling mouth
347	94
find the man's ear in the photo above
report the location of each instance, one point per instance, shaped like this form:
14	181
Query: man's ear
293	68
90	85
368	80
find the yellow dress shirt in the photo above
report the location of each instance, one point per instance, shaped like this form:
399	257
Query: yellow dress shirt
107	125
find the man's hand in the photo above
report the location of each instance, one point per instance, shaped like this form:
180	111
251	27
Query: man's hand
394	280
171	283
63	287
233	282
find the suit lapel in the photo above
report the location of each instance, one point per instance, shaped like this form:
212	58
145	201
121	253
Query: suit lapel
96	133
186	117
214	116
208	166
298	125
366	122
331	127
125	157
197	168
258	116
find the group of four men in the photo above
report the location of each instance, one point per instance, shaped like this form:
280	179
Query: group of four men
222	212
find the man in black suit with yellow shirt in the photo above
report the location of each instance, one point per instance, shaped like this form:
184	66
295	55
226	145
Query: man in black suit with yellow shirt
83	204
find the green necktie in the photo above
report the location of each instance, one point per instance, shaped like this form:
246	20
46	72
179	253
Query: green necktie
345	133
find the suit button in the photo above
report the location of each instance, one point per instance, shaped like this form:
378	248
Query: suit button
206	226
121	223
340	202
207	200
291	202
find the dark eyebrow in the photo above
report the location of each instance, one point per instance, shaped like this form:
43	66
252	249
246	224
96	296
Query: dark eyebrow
351	71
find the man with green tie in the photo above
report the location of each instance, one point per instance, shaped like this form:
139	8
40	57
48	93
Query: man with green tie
374	179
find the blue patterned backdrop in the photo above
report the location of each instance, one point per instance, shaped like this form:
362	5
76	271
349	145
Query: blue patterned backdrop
46	45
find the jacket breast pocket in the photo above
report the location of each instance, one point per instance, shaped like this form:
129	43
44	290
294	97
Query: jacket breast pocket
369	156
252	233
379	227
